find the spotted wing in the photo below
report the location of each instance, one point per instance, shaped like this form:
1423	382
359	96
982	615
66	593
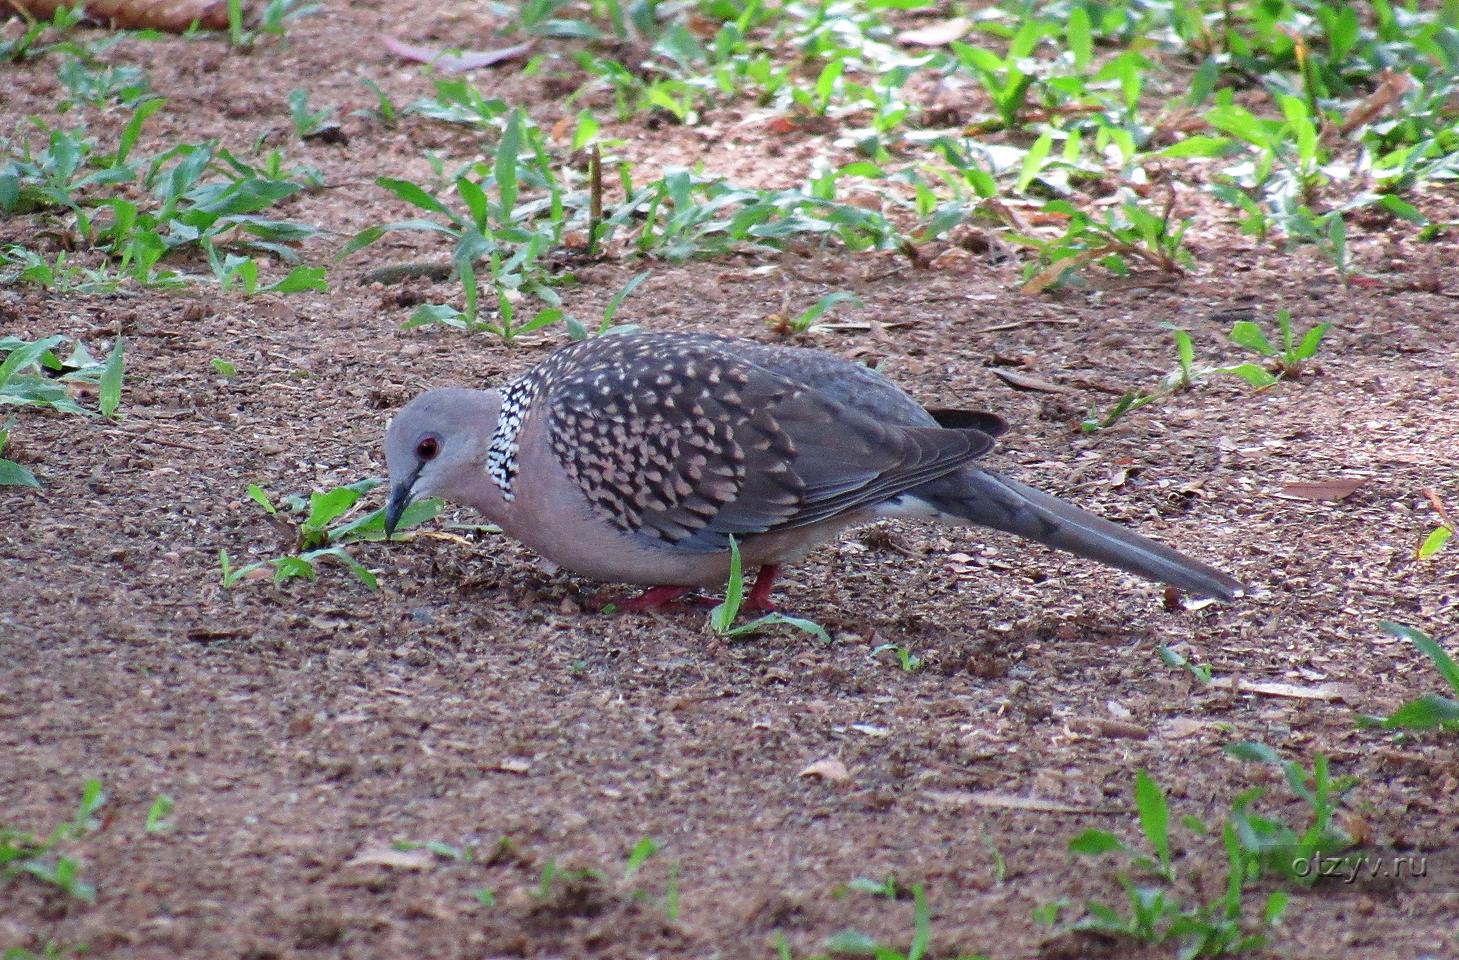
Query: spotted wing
679	439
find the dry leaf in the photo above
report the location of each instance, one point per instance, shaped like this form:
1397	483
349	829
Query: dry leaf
831	770
1178	728
417	859
938	34
175	16
1023	381
1325	691
456	63
1001	801
1108	728
1391	88
1339	489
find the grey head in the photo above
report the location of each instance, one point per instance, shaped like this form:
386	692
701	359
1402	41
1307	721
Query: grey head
437	443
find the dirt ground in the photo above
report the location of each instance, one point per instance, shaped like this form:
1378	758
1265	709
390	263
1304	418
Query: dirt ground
473	701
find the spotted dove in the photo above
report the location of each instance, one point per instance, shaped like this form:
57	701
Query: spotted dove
633	458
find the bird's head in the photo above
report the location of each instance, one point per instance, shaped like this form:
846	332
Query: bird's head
436	447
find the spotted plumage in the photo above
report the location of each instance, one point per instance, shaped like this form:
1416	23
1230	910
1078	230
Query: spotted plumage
636	457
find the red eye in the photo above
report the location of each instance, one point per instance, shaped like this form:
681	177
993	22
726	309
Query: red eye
428	447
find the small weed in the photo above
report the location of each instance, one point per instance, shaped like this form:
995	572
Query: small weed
908	660
24	45
34	375
1289	362
722	617
272	21
311	124
385	110
159	814
13	474
24	854
1156	914
1293	355
441	849
856	943
1171	658
1271	846
577	331
807	320
1431	711
319	537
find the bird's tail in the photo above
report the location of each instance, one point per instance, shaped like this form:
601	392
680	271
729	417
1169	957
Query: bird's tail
977	496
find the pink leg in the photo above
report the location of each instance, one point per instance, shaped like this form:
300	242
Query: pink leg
654	598
759	598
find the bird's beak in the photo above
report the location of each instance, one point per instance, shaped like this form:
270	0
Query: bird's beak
400	496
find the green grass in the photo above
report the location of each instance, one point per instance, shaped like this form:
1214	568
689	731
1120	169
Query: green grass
321	533
1431	711
854	943
34	374
722	617
43	859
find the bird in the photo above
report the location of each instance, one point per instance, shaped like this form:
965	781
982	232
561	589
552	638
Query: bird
643	457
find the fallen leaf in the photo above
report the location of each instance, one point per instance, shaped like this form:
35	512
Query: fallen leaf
453	62
831	770
1110	729
1391	88
417	859
1325	691
1333	490
1024	381
938	34
1178	728
1001	801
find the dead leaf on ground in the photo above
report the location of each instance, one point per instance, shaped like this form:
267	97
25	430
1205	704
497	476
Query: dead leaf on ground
1329	490
174	16
830	769
995	799
938	34
1178	728
1391	88
1107	728
417	859
456	62
1024	381
1326	691
514	765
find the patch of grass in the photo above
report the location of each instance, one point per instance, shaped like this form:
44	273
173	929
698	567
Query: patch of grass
1171	658
13	474
1293	355
1154	912
906	658
1274	847
1431	711
318	534
193	197
23	854
33	374
722	617
854	943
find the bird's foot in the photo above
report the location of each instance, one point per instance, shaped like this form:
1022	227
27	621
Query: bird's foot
758	600
654	598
